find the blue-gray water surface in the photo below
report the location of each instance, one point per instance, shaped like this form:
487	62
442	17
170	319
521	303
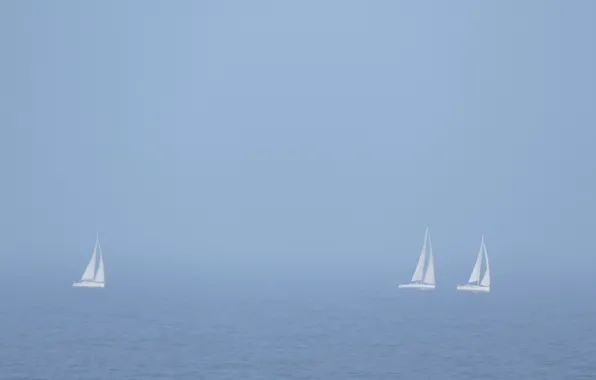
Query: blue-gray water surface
178	331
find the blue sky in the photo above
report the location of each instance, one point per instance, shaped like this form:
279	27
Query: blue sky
311	138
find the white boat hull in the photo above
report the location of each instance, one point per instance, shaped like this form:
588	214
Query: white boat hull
88	284
417	286
474	288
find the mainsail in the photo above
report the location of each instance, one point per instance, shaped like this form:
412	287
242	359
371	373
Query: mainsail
99	275
486	279
419	272
429	275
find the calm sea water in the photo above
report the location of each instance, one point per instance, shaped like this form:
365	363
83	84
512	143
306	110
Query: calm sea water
269	332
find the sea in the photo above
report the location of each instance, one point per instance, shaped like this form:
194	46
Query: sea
277	330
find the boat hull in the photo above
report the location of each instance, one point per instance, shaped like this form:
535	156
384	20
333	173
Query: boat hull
417	286
474	288
88	284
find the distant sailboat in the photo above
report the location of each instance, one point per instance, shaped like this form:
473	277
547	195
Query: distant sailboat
423	278
93	277
474	283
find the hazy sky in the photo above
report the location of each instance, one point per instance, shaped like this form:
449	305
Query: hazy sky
298	138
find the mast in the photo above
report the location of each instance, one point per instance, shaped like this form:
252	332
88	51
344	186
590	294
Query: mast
429	274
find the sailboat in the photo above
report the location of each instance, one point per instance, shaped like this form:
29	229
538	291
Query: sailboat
93	277
474	283
424	277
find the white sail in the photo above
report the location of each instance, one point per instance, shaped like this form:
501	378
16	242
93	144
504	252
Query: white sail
89	273
100	275
486	279
419	272
429	275
475	275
